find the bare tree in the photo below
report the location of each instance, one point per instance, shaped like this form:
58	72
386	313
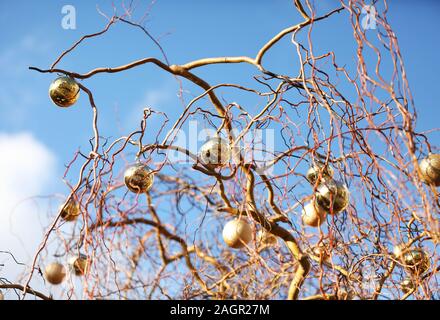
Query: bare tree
343	210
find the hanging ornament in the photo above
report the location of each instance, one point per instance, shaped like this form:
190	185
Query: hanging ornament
333	196
2	297
55	273
416	261
64	91
320	251
430	169
313	215
138	178
317	170
237	233
78	264
266	238
215	152
407	285
70	211
398	250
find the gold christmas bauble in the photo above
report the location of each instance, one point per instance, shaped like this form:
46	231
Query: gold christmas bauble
398	250
416	260
70	211
64	91
320	251
78	264
430	169
2	297
55	273
319	168
313	215
237	233
333	196
215	152
266	238
138	179
407	285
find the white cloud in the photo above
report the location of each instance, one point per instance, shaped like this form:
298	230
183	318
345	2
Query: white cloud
26	168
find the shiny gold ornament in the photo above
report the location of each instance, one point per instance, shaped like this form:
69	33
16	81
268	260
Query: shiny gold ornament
2	297
78	264
407	285
320	251
416	261
313	215
55	273
319	169
70	211
215	152
333	196
64	91
138	179
237	233
430	169
266	238
398	250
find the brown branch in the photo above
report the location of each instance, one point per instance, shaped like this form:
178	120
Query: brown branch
28	290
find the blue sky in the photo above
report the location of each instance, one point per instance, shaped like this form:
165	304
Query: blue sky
32	36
